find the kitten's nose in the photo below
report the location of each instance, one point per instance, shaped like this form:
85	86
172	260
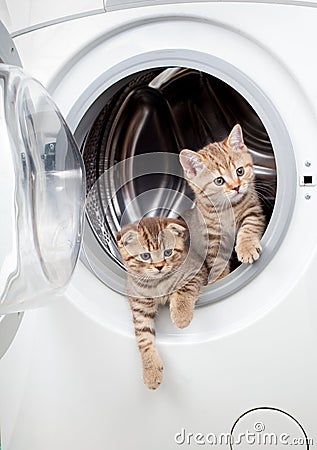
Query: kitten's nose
159	268
237	188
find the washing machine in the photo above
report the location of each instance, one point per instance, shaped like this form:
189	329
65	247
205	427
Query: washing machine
97	100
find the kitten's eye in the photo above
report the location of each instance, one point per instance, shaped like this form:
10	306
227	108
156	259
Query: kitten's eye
240	171
145	256
219	181
168	252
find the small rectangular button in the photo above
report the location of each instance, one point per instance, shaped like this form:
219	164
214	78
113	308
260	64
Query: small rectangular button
307	180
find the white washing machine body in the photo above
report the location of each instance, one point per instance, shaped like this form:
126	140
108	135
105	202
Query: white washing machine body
71	378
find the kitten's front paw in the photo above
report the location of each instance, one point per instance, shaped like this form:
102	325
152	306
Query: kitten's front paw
152	371
181	315
248	251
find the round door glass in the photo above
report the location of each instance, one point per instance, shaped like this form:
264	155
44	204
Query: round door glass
43	184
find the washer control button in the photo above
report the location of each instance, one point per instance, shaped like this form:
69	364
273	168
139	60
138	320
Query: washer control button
307	180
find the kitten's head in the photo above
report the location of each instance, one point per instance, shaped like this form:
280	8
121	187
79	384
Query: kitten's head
221	170
154	246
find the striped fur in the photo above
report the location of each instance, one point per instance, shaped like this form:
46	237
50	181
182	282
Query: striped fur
177	277
222	178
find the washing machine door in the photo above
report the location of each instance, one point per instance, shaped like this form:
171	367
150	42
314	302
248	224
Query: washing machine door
42	194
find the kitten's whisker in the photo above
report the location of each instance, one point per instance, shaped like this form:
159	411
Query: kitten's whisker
265	191
270	189
263	181
264	200
264	196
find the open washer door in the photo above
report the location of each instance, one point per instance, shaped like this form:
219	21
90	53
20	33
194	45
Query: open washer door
42	194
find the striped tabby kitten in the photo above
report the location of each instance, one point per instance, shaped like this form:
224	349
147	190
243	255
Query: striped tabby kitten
222	178
160	267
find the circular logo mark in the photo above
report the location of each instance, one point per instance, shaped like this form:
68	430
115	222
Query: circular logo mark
268	428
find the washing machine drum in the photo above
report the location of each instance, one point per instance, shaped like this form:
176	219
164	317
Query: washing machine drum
42	194
131	152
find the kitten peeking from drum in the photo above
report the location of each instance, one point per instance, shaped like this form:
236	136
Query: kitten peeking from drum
164	265
160	267
222	178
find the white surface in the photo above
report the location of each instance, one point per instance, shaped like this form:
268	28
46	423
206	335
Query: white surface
8	235
70	382
18	16
72	378
112	5
265	48
38	13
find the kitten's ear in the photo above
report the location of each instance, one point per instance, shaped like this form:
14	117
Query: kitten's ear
125	237
177	228
191	162
235	138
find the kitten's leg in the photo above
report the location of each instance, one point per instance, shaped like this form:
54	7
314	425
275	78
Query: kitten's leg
144	311
182	301
218	263
248	247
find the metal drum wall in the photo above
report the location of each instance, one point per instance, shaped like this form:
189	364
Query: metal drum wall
160	112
